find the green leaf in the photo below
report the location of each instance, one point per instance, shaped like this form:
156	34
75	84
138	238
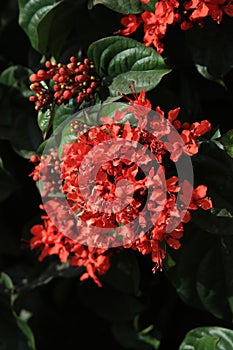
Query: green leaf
124	273
124	60
130	338
150	6
66	136
204	72
8	184
211	46
47	22
30	14
216	134
44	120
18	77
5	281
149	337
222	212
65	133
56	25
14	332
62	113
18	120
109	303
26	330
227	141
122	6
208	338
201	274
214	168
53	270
109	109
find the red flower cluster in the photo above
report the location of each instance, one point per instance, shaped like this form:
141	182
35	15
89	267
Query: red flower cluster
171	12
60	82
51	241
148	207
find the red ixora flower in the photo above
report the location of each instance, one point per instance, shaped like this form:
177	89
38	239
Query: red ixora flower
50	241
155	24
143	219
170	12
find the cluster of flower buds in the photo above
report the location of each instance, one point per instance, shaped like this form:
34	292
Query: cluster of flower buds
44	166
59	82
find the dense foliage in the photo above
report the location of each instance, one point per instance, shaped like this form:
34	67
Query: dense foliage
76	75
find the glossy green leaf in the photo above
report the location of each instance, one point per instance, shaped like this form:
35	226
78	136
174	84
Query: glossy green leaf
18	77
122	61
130	338
204	72
227	141
47	22
55	26
6	282
109	109
218	165
30	14
53	270
66	135
149	6
14	332
200	275
208	338
18	120
211	46
64	132
122	6
62	113
44	120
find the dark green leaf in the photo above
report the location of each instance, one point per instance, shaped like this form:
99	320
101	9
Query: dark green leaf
200	275
122	6
18	120
14	332
208	338
53	270
124	273
26	330
66	136
30	14
62	113
44	120
47	22
130	338
110	303
8	184
109	109
223	213
125	60
227	141
214	168
18	77
88	116
211	46
204	72
6	282
150	6
56	25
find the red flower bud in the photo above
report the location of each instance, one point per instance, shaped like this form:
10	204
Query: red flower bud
67	94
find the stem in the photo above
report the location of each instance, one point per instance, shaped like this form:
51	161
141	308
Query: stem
52	110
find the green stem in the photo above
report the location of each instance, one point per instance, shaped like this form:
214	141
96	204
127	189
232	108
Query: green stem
52	110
